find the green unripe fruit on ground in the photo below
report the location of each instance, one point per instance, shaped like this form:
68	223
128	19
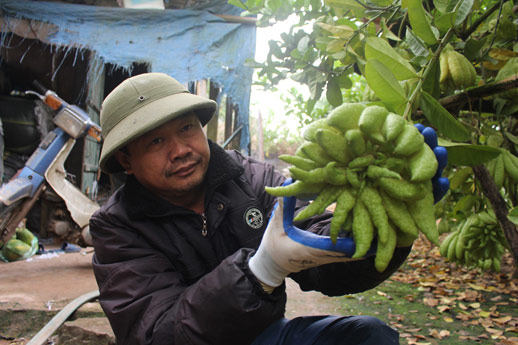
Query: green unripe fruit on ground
24	235
15	249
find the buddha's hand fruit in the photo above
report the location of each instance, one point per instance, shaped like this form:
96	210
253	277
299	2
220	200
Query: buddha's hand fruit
377	168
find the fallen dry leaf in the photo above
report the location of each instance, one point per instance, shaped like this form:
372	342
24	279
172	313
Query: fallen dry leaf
502	320
431	302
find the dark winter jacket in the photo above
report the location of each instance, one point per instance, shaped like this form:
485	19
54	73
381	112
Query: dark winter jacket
162	281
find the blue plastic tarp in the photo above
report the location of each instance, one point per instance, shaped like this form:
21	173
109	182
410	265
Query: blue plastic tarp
188	44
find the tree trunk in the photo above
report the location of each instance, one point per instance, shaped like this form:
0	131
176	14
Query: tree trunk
500	207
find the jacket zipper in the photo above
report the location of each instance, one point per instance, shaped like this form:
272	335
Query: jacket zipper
204	227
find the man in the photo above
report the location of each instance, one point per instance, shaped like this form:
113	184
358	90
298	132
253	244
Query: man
180	256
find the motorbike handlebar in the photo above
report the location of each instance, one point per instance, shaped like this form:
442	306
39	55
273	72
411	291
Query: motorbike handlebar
39	87
49	97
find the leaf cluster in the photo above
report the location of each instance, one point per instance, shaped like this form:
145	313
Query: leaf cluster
395	46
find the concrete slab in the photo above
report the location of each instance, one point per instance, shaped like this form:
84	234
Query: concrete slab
46	282
34	290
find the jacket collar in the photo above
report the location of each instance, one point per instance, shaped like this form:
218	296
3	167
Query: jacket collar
141	202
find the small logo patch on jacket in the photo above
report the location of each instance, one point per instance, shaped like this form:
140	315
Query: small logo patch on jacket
254	217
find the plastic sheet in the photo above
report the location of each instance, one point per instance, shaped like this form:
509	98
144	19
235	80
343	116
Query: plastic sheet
188	44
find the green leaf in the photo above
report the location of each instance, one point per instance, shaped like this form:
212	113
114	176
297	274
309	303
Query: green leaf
333	92
431	83
387	33
441	119
460	177
336	45
382	2
463	11
342	31
385	85
513	215
344	81
465	204
302	46
441	5
237	3
416	45
347	5
473	48
379	49
467	154
419	21
275	49
445	22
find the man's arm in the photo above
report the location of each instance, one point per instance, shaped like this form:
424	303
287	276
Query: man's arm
331	279
148	302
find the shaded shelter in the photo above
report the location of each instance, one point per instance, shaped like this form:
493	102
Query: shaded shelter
82	52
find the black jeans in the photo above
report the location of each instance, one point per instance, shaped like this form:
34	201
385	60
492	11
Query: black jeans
329	330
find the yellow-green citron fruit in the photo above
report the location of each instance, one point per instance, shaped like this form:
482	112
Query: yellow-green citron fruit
509	70
345	116
457	71
443	63
15	249
371	122
377	169
24	235
462	72
310	130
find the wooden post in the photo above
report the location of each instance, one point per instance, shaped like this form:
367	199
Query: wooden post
228	117
236	141
92	148
212	126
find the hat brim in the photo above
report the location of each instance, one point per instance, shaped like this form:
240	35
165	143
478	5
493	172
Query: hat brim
148	118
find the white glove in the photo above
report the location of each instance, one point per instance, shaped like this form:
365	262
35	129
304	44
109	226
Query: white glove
278	255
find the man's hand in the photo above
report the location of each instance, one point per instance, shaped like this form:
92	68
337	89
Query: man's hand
278	255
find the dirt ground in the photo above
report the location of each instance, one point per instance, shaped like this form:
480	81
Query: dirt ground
47	283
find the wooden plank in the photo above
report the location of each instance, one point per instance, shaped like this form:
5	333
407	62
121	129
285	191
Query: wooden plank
228	117
31	29
92	148
212	126
237	19
236	141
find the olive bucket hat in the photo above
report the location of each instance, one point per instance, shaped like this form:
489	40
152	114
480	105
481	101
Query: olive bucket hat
140	104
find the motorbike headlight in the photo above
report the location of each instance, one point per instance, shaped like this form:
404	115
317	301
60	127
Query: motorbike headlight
71	122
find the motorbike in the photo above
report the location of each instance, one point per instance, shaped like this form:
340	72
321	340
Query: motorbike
65	209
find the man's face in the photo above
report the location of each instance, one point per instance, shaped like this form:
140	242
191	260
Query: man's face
170	160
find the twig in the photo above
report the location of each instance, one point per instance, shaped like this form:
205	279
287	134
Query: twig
479	92
465	34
